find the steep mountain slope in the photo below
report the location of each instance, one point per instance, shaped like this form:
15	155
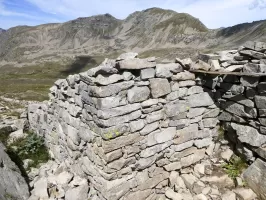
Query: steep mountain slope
52	39
103	34
100	34
156	28
1	30
241	33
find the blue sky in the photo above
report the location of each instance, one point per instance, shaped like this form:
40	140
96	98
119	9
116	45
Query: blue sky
213	13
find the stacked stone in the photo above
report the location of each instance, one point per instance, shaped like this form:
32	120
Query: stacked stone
251	58
127	124
242	100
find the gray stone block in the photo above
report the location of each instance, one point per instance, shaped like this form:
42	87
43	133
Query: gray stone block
135	63
262	87
138	94
167	70
159	87
249	135
147	73
183	76
200	100
249	81
260	101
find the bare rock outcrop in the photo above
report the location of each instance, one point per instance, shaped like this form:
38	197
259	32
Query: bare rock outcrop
12	184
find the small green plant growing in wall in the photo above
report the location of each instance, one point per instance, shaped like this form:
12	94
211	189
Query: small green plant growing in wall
220	133
111	134
9	197
235	167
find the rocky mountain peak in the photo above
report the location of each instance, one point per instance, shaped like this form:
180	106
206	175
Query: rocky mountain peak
150	29
2	30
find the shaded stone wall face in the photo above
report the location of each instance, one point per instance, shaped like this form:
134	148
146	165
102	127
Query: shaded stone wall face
243	105
242	99
128	123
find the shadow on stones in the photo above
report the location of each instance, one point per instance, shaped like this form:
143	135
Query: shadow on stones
80	63
15	158
220	89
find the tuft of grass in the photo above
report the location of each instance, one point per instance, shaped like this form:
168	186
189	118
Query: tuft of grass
4	133
3	138
32	147
235	167
32	82
220	134
12	113
9	196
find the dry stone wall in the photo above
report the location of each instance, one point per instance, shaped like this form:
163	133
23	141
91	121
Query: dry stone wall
127	124
242	100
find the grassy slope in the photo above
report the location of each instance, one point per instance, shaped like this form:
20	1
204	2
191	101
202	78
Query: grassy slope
33	82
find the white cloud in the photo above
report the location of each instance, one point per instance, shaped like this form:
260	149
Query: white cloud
6	12
10	18
84	8
7	23
217	13
258	4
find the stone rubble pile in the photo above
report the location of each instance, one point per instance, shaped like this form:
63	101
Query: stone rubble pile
8	122
129	124
251	58
207	181
12	184
54	181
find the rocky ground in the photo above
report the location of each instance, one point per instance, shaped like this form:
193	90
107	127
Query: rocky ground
12	184
15	159
207	180
210	179
218	176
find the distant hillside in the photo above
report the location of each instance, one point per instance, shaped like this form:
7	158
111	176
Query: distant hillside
2	30
150	29
239	34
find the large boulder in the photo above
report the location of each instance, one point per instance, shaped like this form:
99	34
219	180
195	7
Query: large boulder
255	176
12	184
252	54
249	135
77	193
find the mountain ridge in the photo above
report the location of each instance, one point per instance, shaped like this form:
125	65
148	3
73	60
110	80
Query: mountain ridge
2	30
152	28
